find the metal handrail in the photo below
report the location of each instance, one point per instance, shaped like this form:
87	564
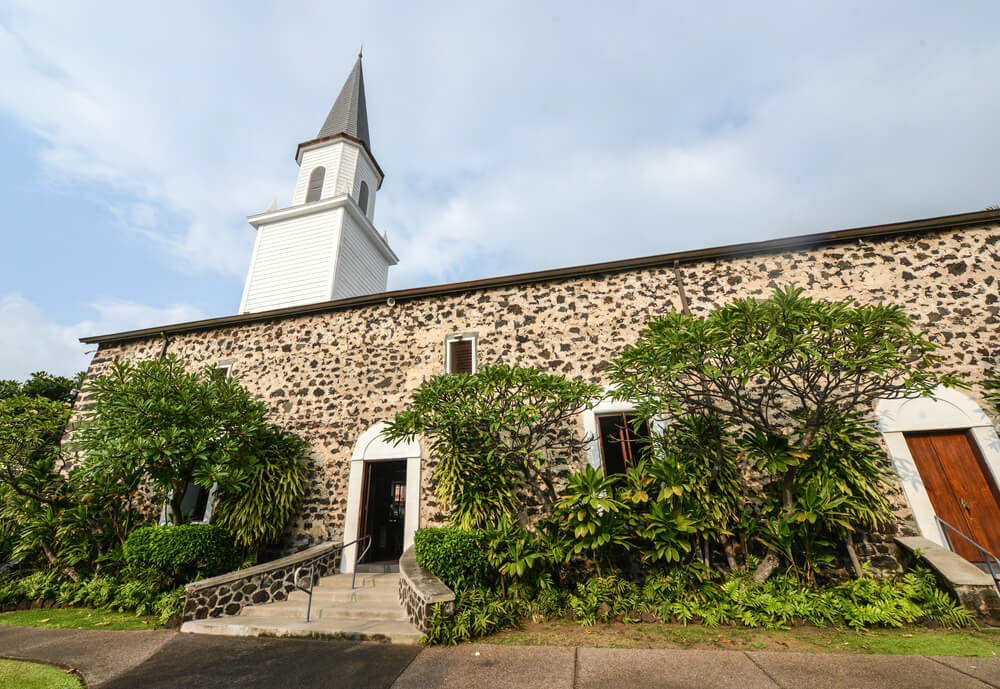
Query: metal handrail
312	570
989	557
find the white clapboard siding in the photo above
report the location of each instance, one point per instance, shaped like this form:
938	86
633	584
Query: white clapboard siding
361	269
293	260
345	175
329	156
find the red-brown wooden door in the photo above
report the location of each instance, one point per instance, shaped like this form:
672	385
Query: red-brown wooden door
960	486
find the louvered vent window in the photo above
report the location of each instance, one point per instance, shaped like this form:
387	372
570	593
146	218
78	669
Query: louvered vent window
363	198
461	354
316	184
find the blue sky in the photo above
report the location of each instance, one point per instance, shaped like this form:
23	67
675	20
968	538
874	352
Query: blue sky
135	139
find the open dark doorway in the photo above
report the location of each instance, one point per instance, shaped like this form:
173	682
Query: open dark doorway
383	509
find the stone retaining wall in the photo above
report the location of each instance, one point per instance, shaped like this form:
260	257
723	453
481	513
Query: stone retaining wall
228	594
420	591
974	588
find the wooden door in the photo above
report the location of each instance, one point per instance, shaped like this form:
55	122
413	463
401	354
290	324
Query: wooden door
960	486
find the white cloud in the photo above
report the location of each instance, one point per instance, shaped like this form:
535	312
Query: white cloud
509	144
31	341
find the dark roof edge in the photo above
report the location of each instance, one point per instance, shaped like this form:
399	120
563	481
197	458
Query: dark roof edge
340	135
767	246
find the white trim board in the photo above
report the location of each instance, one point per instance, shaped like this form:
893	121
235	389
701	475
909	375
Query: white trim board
372	447
948	409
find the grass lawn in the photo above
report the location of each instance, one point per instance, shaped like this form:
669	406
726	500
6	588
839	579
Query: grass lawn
78	618
906	640
15	673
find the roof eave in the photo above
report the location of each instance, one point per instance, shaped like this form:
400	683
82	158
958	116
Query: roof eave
333	137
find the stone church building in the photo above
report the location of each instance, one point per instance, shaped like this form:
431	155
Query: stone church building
335	355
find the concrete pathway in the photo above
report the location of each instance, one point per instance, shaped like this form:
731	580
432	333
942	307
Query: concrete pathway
517	667
98	655
167	660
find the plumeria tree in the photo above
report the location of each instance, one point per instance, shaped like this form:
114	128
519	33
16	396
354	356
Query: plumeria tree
791	374
497	435
158	424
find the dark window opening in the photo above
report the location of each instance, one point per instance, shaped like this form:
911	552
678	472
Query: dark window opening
460	356
316	184
363	197
221	372
622	443
195	503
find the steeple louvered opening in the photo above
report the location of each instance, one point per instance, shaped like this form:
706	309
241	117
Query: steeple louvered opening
315	192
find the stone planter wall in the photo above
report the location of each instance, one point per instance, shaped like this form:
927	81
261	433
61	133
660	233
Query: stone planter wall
31	605
228	594
419	591
974	588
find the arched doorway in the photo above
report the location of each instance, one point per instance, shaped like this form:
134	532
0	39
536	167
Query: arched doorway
947	456
383	496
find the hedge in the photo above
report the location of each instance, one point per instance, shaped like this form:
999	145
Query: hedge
458	557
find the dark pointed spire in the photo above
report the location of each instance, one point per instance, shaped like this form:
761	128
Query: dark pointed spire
349	114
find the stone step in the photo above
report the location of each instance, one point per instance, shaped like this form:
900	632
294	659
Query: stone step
362	581
391	631
345	595
374	610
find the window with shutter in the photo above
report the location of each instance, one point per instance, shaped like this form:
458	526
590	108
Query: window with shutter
316	184
363	197
461	355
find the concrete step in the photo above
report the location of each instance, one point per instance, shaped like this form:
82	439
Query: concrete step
361	581
378	567
374	610
344	595
369	611
391	631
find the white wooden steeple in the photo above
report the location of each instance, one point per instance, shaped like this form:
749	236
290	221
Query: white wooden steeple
324	245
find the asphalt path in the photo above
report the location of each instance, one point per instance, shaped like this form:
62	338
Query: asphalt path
169	660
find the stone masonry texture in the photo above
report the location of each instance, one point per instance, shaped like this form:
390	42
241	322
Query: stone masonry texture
230	593
331	375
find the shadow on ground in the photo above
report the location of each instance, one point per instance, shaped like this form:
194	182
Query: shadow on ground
211	662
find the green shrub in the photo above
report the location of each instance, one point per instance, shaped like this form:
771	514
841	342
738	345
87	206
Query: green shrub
169	604
139	595
458	557
39	585
98	591
256	513
478	612
549	603
140	592
684	596
182	553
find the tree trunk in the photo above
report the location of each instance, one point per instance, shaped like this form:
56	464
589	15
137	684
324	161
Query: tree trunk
727	547
766	567
176	500
855	562
787	499
50	556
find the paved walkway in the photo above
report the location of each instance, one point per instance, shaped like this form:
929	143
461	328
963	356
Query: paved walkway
168	660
